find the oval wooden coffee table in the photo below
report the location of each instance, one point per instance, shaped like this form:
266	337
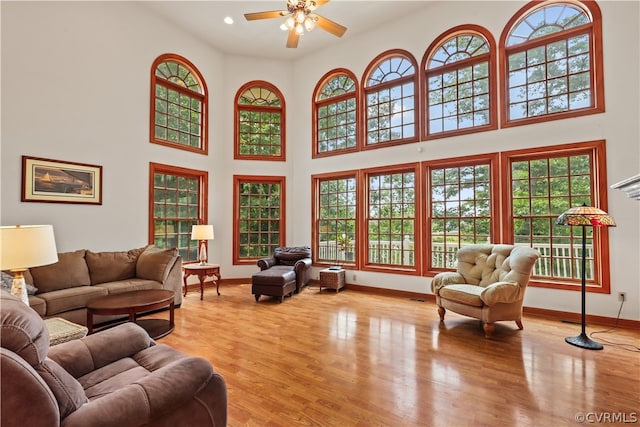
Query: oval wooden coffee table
135	302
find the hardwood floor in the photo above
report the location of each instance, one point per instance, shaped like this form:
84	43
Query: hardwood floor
364	359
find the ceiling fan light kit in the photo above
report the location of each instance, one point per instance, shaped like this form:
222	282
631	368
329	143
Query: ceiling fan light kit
299	17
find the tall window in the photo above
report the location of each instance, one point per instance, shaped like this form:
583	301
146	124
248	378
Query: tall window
541	186
260	123
392	218
390	86
462	206
177	200
259	217
335	214
336	114
460	83
552	62
178	104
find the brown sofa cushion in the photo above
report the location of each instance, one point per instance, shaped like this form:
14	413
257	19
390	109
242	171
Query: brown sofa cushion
155	263
70	271
112	266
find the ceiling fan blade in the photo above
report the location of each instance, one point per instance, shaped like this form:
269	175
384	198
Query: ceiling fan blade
317	3
265	15
292	40
330	26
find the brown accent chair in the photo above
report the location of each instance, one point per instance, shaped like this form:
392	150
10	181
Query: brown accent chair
118	377
489	284
287	258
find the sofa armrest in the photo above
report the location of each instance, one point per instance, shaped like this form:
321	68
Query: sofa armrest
149	398
445	278
79	357
302	264
502	292
173	281
266	263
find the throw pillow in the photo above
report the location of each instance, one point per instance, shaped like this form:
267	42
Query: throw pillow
155	263
7	283
70	271
112	266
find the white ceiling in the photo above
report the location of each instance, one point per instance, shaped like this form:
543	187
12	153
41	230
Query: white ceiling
264	38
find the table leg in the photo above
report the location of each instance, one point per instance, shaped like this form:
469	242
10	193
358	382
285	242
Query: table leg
218	283
184	279
201	277
172	307
89	321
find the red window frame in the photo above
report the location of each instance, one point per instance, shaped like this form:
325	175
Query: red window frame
473	61
266	109
179	202
596	67
193	96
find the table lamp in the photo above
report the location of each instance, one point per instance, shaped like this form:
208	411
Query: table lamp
22	247
585	216
202	233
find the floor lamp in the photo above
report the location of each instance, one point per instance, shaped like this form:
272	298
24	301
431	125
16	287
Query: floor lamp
585	216
22	247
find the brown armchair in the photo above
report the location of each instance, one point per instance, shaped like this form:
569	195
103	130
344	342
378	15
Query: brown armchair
291	258
489	284
118	377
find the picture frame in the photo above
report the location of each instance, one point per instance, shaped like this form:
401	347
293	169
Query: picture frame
59	181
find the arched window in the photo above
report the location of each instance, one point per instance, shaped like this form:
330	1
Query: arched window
390	85
552	62
335	113
260	122
178	104
460	83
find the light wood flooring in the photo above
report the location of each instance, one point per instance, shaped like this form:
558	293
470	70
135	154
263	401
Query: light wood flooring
365	359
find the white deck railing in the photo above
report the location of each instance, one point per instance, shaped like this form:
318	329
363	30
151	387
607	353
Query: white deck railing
554	262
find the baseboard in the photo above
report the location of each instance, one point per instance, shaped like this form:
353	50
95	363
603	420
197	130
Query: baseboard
532	311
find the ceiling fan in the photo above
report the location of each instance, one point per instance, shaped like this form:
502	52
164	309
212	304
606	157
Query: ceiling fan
300	17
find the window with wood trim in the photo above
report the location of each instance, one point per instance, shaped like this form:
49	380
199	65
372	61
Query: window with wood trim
390	88
260	122
259	217
177	200
336	114
460	83
335	216
178	104
392	220
462	201
552	63
540	185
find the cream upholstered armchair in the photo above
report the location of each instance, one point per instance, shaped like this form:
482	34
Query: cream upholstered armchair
489	283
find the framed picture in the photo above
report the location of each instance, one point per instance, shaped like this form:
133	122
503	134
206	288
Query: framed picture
56	181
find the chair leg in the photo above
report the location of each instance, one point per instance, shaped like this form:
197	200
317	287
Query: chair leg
488	329
441	312
519	323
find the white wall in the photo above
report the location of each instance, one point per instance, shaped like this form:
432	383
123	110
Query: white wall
75	86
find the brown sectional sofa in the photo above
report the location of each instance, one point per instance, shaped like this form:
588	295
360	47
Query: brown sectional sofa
64	288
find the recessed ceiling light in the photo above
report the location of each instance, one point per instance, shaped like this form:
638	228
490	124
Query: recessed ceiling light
228	20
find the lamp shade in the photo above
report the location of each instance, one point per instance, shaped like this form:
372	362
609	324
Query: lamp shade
24	246
585	215
202	232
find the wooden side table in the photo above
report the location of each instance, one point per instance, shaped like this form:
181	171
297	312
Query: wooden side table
333	279
202	271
